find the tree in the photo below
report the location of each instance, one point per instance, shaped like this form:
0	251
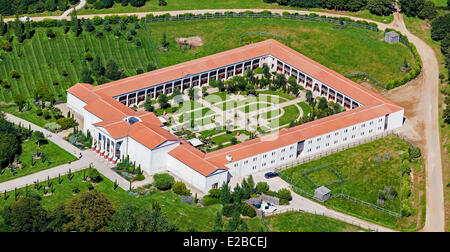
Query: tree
91	212
107	3
163	101
262	187
89	26
97	67
131	218
86	75
445	44
191	93
428	11
380	7
9	147
162	3
148	105
137	3
151	67
76	27
220	85
218	222
112	70
304	3
440	27
309	97
26	215
411	7
225	194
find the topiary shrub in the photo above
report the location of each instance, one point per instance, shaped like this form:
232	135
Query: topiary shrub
163	181
140	177
214	193
262	187
180	189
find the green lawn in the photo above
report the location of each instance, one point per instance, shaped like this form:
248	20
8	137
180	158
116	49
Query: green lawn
363	178
305	222
229	4
305	107
55	157
227	137
254	107
291	113
29	116
270	114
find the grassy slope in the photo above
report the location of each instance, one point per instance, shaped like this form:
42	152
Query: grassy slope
229	4
420	28
363	178
305	222
43	60
56	155
305	37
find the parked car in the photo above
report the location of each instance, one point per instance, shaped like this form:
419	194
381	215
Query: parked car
25	18
271	175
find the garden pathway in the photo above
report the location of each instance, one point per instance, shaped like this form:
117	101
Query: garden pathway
89	157
70	10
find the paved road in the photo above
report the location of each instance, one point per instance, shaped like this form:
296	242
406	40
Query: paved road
70	10
428	105
88	157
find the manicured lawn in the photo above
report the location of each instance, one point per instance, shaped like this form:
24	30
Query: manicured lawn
227	137
291	113
305	222
276	93
270	114
55	156
305	107
363	178
440	3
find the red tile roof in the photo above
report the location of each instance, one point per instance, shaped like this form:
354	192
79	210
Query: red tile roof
149	133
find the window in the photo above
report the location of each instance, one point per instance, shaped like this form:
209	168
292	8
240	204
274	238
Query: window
353	136
364	125
292	147
282	158
318	139
236	165
318	147
283	150
362	133
265	155
310	141
273	153
370	131
254	159
254	167
335	142
337	133
354	128
371	123
345	139
273	161
290	156
246	162
328	144
328	136
215	185
264	164
345	131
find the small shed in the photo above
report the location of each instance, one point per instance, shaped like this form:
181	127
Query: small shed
322	194
195	142
392	37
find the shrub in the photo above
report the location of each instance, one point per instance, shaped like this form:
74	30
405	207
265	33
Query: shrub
284	194
66	122
180	189
163	181
208	200
214	193
228	209
262	187
140	177
95	176
14	74
248	210
53	126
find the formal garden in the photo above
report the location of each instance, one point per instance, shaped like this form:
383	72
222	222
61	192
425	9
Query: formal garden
381	181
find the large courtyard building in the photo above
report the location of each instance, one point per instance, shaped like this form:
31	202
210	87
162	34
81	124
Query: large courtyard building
119	131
